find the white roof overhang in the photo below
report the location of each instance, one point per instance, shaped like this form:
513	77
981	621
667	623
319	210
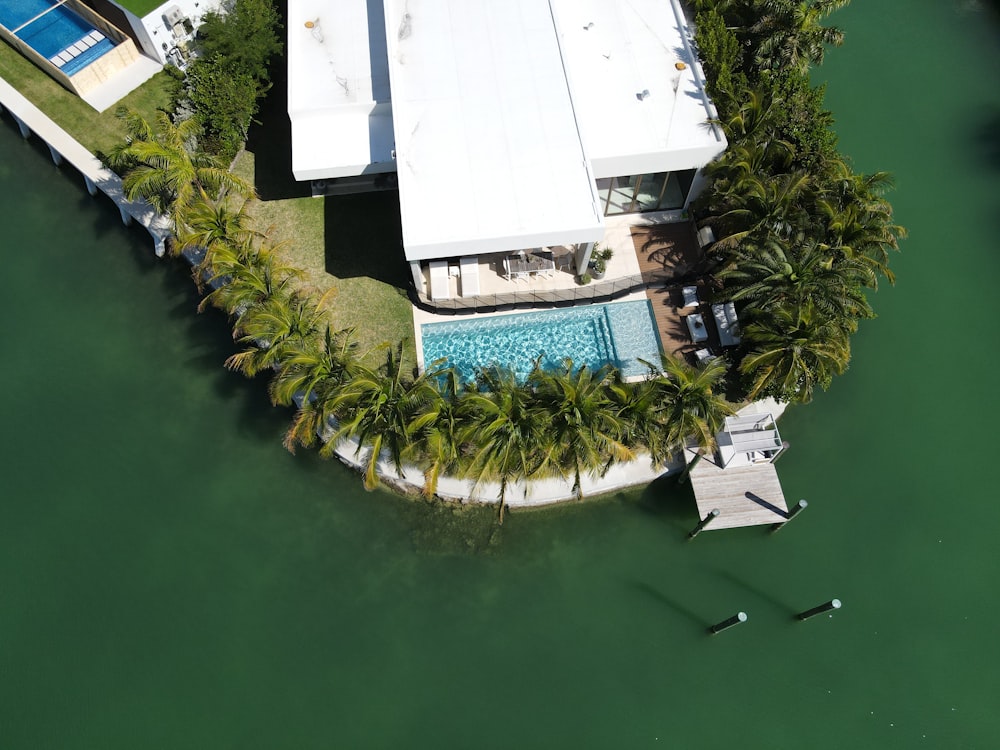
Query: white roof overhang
488	150
338	89
638	112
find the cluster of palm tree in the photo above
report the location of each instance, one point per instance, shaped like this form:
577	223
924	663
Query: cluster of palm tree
801	237
572	422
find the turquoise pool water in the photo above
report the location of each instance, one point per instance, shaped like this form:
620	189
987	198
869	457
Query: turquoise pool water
622	334
56	31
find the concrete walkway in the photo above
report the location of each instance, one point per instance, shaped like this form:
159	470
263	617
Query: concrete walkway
63	147
121	83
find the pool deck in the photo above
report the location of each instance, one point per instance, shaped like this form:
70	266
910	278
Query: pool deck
125	81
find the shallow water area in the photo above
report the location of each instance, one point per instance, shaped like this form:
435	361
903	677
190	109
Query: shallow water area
172	577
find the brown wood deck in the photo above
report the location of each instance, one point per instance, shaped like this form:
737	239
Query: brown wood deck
669	259
745	496
668	253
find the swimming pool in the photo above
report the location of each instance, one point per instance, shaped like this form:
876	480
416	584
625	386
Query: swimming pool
620	333
61	35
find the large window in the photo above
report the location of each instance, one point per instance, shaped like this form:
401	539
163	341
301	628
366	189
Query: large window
660	191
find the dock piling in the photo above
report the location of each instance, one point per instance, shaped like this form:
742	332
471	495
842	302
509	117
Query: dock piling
22	126
826	607
712	515
728	623
800	506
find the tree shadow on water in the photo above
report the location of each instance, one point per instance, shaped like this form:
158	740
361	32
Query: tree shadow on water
672	503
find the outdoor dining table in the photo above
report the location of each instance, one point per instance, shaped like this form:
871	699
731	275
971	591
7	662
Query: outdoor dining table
523	265
697	327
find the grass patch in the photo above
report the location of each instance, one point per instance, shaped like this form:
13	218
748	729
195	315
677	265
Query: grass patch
96	131
319	234
140	7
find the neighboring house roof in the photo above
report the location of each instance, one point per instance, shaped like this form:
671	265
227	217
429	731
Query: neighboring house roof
338	89
502	112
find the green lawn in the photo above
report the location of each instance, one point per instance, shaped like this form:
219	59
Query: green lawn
347	250
140	7
96	131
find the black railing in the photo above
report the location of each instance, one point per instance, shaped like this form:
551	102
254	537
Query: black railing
599	291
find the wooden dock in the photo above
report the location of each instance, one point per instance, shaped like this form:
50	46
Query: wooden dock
745	496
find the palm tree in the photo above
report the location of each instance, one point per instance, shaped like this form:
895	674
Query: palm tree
165	167
314	375
792	352
760	205
505	429
385	411
789	33
585	432
857	220
635	405
243	276
438	447
213	222
772	274
272	330
688	408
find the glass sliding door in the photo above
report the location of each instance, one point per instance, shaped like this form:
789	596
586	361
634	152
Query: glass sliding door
659	191
649	191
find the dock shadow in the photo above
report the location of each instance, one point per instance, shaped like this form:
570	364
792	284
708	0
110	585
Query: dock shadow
665	500
765	504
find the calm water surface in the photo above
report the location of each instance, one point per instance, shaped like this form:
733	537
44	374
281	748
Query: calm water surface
170	577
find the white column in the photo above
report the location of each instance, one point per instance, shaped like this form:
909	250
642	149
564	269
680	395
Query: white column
25	130
583	256
126	216
56	156
159	245
91	187
418	276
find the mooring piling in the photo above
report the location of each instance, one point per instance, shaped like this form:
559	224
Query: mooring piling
800	506
825	607
712	515
728	623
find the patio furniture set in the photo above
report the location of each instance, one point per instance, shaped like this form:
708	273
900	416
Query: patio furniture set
726	323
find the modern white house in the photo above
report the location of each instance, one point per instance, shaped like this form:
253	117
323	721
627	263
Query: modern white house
507	125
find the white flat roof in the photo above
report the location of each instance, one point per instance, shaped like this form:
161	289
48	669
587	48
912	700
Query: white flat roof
488	152
617	49
338	89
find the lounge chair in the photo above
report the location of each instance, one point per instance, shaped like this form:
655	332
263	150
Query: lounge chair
690	296
440	281
469	268
727	334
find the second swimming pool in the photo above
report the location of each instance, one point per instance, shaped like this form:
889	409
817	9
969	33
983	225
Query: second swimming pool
60	35
621	334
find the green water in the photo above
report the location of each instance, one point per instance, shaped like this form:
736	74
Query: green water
171	578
